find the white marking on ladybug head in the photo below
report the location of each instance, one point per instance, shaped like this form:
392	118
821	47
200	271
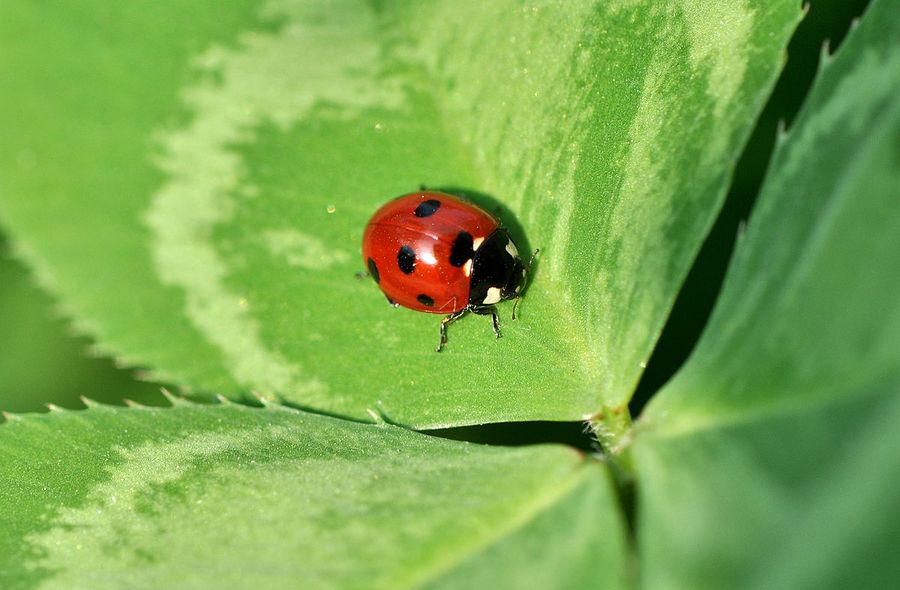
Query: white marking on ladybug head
476	243
467	268
511	248
519	288
493	296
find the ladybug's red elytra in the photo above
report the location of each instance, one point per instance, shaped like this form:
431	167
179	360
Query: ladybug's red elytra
434	252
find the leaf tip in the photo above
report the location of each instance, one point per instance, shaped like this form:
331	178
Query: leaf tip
267	401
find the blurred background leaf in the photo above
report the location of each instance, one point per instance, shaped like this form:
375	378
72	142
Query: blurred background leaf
825	23
772	459
41	361
195	188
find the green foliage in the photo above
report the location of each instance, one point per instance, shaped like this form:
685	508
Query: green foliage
211	496
40	363
194	189
224	172
772	460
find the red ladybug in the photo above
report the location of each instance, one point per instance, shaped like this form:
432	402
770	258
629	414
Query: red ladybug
436	253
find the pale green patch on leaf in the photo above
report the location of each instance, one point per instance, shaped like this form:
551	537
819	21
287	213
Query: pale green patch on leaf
772	459
719	33
197	199
303	250
231	496
252	86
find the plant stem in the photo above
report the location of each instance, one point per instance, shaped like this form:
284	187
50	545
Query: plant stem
611	426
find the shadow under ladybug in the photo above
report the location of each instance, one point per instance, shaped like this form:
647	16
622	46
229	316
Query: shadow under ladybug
434	252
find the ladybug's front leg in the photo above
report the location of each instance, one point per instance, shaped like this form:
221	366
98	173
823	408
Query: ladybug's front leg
446	322
495	318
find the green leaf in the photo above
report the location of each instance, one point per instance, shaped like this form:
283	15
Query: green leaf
39	362
231	496
194	181
773	459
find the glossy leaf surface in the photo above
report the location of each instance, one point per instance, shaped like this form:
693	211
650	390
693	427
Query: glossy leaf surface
193	180
232	496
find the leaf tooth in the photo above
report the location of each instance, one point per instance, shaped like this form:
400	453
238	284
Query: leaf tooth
271	402
92	350
377	418
266	400
223	400
173	399
88	402
854	24
781	133
379	414
54	408
12	416
143	375
741	232
826	56
118	362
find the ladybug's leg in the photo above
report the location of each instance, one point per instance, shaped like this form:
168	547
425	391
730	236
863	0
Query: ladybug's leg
446	322
515	306
494	317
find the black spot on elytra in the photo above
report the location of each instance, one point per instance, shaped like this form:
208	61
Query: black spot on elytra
462	249
406	260
373	270
425	300
427	208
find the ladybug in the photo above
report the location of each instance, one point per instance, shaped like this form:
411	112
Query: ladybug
434	252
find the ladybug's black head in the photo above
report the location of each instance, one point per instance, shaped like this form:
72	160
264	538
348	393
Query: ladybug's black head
497	271
516	282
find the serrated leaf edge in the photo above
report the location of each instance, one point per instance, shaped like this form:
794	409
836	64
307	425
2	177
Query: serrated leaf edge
175	401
